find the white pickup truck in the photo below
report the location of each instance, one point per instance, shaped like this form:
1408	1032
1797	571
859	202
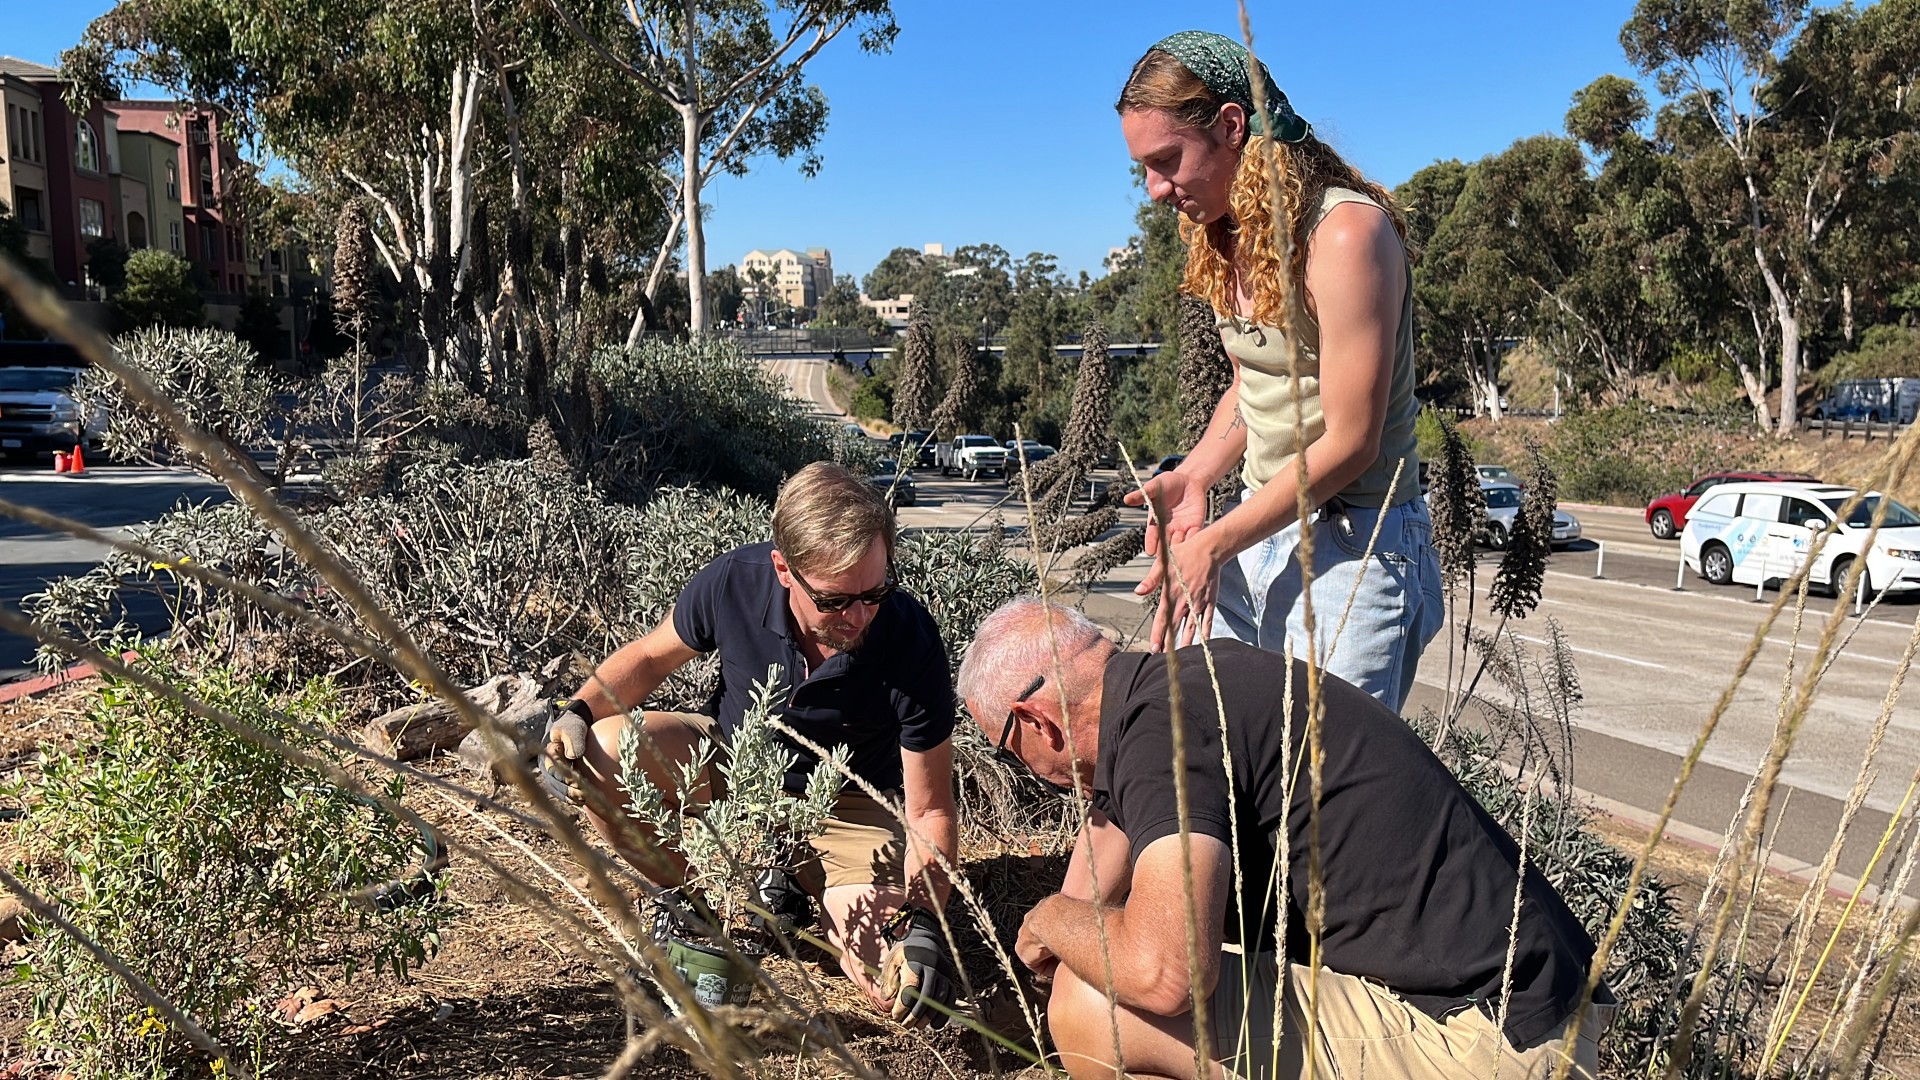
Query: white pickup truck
38	414
973	456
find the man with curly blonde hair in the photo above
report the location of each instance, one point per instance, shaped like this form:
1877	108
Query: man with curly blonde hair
1310	282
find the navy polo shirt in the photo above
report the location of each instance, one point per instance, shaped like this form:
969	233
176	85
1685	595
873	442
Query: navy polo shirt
892	692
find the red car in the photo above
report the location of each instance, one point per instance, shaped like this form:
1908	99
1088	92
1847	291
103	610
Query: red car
1667	515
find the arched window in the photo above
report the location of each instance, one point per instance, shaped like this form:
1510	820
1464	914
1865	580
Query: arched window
87	152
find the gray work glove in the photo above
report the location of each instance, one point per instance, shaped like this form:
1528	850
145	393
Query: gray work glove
917	969
569	727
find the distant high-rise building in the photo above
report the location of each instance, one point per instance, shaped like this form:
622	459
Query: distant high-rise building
800	279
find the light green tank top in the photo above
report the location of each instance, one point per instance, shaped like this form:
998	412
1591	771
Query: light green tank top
1268	393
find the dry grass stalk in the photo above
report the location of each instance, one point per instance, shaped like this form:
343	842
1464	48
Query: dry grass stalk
1172	577
1083	810
1316	755
1807	915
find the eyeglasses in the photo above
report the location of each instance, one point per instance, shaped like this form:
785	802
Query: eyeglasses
1000	750
828	603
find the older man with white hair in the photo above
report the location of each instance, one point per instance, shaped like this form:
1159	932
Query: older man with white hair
1419	882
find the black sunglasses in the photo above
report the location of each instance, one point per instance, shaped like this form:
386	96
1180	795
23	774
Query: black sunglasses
829	603
1000	750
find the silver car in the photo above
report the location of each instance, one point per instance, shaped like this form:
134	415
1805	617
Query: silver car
1503	505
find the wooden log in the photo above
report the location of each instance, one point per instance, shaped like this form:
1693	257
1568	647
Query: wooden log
415	731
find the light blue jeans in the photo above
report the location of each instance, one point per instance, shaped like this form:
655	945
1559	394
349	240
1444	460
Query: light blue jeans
1396	609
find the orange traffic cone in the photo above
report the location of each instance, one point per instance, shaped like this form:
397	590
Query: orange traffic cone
59	461
76	461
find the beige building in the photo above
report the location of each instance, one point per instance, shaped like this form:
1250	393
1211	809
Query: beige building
148	168
23	174
894	311
800	279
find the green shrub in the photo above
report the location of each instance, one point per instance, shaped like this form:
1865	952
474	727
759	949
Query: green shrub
754	825
1630	453
872	399
502	566
1430	430
1887	351
215	869
159	291
210	375
665	413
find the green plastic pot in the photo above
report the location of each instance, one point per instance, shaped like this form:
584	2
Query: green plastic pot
716	978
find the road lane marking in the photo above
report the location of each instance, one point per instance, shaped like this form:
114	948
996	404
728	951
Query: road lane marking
1603	655
1736	634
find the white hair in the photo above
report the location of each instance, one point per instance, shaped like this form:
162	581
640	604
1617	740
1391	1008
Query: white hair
1011	646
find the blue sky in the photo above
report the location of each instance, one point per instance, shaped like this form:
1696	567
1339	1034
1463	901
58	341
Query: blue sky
992	121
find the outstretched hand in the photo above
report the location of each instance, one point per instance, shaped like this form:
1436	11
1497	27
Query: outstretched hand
1181	498
1186	602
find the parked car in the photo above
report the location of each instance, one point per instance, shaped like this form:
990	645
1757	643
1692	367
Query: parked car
917	446
895	483
1667	515
1168	464
38	414
1747	533
1033	451
1503	506
972	456
1498	474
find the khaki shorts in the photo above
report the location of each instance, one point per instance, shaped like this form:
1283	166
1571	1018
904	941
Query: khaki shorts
1365	1030
864	844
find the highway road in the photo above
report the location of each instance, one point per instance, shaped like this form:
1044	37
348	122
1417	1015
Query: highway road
807	380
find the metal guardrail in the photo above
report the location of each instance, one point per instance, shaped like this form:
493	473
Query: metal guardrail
1849	428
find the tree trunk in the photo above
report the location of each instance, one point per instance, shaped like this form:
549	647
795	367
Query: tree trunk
1789	371
644	310
692	120
1846	312
1756	386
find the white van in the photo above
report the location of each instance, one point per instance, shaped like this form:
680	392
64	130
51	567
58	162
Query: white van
1745	533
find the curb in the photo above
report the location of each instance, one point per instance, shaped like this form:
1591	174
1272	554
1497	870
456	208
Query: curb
1839	886
40	684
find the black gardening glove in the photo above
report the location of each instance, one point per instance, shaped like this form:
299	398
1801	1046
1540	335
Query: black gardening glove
917	968
776	890
569	726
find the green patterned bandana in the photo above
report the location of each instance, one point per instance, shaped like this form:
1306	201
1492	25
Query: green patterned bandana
1221	63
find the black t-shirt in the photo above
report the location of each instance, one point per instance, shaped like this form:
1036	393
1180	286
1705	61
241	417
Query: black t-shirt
892	692
1419	878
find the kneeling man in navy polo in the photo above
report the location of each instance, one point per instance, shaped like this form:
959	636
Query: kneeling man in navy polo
864	668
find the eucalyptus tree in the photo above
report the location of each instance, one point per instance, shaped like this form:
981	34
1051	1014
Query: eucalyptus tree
1788	123
434	111
731	71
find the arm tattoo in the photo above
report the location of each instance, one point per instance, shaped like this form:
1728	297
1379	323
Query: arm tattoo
1237	422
